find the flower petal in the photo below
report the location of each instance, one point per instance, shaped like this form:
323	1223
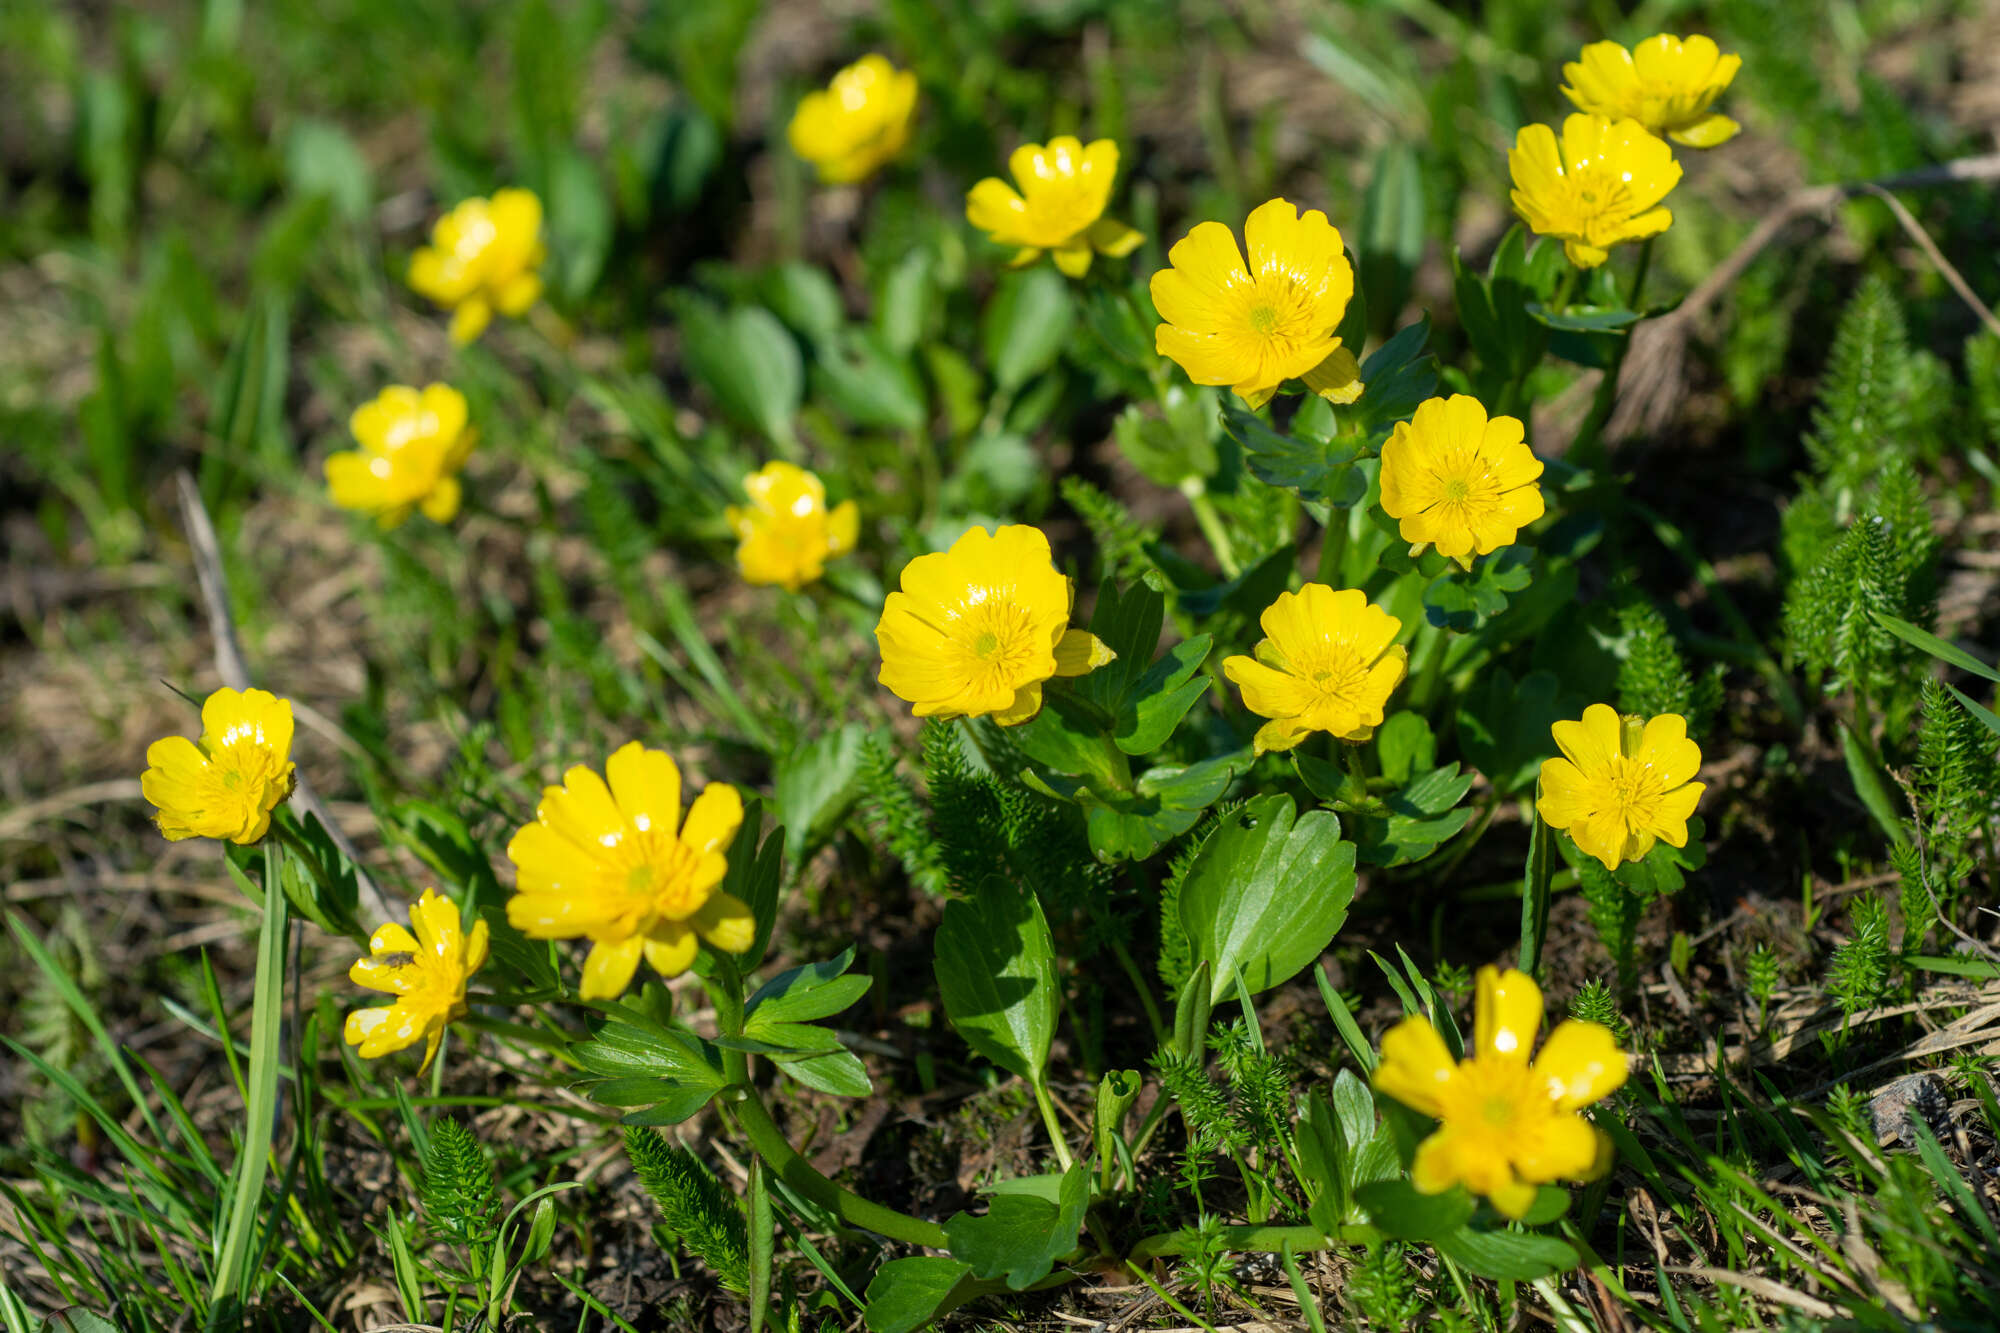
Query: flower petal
646	785
1416	1067
670	950
713	819
726	922
1580	1064
609	968
1507	1013
1079	652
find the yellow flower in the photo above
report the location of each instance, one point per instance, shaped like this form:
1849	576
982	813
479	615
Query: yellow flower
1665	83
1328	662
1598	188
614	863
786	534
1454	479
1622	783
1059	207
1505	1126
1255	328
484	256
858	122
426	972
412	446
226	784
974	631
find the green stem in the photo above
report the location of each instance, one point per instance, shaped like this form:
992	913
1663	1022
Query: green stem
754	1119
1211	527
1053	1125
1141	989
1333	549
1535	894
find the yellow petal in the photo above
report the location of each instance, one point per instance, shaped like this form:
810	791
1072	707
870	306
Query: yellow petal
1711	131
1580	1064
1023	707
671	949
1114	239
1415	1066
1592	743
1079	652
726	922
441	505
1512	1198
713	819
1073	260
609	968
1507	1013
1336	379
470	319
646	785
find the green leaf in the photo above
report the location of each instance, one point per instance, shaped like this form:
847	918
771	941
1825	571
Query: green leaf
1978	710
1399	378
805	298
802	994
1506	1255
906	294
1583	318
1936	647
1069	737
1165	693
1178	443
996	972
1872	786
815	786
907	1294
1128	620
748	361
1503	727
684	1071
838	1072
1397	1208
870	385
580	222
1266	893
1460	600
1316	469
1421	818
756	876
320	158
1027	322
1323	1153
1393	227
1020	1237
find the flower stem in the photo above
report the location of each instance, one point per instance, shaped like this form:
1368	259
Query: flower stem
1141	989
1263	1240
1053	1125
754	1119
1211	527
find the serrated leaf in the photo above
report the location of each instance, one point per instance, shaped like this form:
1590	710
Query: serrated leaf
1316	469
1503	727
1164	694
1128	620
1266	893
811	991
996	973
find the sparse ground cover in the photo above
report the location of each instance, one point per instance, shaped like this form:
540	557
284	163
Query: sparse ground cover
1130	745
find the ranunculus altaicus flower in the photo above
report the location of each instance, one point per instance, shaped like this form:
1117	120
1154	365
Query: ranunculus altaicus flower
485	255
1059	207
1328	662
858	123
1459	481
609	859
1505	1125
1666	83
412	446
1599	186
1622	783
426	972
975	631
1254	328
226	784
786	534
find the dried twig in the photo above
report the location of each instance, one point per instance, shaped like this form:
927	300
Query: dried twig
235	673
1650	387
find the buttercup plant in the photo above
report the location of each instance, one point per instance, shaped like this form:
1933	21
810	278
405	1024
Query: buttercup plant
1168	765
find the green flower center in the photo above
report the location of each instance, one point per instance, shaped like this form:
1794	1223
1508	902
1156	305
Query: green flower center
986	645
1263	318
1457	489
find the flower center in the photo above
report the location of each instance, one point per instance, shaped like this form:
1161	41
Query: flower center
997	645
1601	197
1457	490
1263	318
1633	790
986	645
1336	673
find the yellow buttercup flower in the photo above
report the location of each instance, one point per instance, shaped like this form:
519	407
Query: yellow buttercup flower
786	534
1059	207
856	124
1328	662
611	861
1254	328
1666	83
1622	783
426	972
1505	1126
1599	187
976	630
1458	481
412	446
226	784
485	255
